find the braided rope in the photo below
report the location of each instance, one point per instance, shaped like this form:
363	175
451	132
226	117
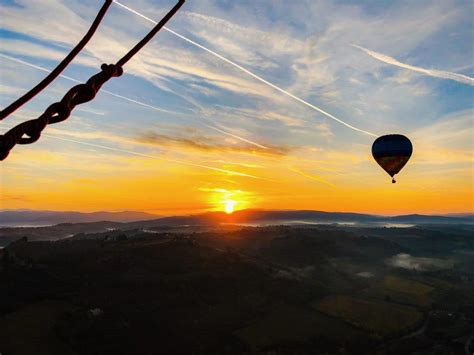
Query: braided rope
58	111
79	94
61	66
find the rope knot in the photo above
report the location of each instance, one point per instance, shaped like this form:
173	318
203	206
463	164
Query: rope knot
111	70
83	93
57	112
30	131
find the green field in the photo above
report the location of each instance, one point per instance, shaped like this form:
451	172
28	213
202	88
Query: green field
378	317
288	325
401	290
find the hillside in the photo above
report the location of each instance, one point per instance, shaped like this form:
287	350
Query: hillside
32	217
240	290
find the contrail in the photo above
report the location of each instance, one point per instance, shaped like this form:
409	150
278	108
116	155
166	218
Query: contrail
182	162
312	177
431	72
13	59
131	152
235	136
255	76
16	60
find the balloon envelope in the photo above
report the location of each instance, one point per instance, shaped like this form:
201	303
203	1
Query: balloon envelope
392	152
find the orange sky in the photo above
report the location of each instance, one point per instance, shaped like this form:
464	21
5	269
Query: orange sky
284	121
85	178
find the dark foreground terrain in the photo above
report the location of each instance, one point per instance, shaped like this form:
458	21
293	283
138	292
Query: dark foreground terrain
234	290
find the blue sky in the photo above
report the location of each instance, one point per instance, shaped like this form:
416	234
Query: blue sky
306	47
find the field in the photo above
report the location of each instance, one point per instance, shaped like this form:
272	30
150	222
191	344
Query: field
401	290
37	321
274	290
290	325
377	317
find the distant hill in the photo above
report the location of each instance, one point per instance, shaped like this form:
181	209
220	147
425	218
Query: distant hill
423	219
145	220
467	215
32	217
295	217
59	225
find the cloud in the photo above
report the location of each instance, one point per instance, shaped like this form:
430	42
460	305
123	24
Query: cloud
406	261
10	90
181	162
29	49
324	129
10	197
309	62
285	119
447	141
34	66
464	79
90	110
236	136
254	75
174	63
207	144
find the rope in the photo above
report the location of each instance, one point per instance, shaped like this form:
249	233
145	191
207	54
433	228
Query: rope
55	73
79	94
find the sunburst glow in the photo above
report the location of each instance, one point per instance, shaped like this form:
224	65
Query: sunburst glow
229	206
227	200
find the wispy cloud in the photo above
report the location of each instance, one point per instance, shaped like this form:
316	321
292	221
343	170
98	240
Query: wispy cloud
12	90
181	162
9	197
208	143
442	74
34	66
252	74
236	136
447	141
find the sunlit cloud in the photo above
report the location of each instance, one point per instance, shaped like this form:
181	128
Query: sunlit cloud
448	141
206	143
230	172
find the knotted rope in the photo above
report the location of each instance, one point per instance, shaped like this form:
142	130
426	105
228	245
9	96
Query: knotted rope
79	94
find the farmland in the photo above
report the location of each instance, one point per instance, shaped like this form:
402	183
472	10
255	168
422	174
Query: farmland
401	290
377	317
235	290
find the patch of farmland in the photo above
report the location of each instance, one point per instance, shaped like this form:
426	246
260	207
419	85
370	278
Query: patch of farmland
377	317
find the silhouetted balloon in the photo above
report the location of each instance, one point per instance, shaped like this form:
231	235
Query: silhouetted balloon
392	152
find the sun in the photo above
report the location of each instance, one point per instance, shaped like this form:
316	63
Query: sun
229	206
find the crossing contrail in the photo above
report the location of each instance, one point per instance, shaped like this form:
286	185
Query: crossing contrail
234	136
255	76
131	152
31	65
312	177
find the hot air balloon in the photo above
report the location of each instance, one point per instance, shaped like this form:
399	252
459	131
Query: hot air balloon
392	152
